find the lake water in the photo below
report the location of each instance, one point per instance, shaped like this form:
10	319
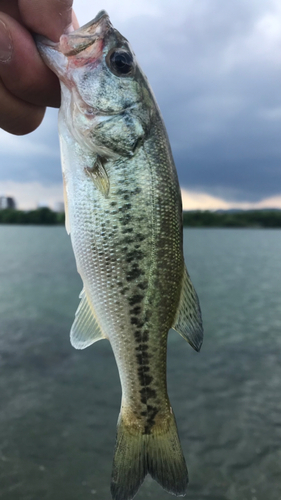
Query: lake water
59	407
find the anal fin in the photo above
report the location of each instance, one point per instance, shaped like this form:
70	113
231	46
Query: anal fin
188	320
85	329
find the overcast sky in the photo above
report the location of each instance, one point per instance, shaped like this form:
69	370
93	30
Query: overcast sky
215	68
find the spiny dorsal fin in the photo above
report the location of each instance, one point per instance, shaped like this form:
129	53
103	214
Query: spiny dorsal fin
99	175
85	329
188	321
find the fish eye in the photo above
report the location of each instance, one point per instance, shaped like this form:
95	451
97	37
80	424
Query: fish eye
121	62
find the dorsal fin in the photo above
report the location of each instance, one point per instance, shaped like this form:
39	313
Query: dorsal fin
85	329
188	321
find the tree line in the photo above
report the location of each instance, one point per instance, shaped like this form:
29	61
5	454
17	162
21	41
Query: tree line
245	218
43	216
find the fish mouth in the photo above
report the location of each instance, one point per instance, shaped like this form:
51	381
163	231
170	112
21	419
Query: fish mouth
76	41
99	16
73	43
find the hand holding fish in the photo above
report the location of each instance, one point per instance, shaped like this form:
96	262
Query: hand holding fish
27	86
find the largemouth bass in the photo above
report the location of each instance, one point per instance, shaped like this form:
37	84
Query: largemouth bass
124	216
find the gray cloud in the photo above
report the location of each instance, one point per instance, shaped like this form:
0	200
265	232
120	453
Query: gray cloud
215	70
35	157
217	80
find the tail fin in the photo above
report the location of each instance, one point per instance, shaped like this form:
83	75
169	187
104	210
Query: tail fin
137	454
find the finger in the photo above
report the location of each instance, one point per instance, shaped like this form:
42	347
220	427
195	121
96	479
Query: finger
11	8
75	23
49	18
17	116
24	73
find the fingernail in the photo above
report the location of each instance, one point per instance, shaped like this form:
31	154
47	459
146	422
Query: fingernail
6	45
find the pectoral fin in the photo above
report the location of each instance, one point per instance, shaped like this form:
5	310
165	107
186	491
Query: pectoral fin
188	321
99	175
85	329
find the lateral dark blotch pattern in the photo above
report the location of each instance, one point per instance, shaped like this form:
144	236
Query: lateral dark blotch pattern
136	310
126	219
127	240
143	358
121	192
142	347
125	207
133	320
134	255
139	359
151	414
135	299
144	369
143	285
137	321
141	336
147	393
139	237
127	230
145	336
145	379
137	335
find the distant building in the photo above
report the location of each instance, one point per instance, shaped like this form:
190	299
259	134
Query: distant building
7	202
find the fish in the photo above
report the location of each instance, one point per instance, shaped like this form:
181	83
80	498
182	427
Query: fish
124	216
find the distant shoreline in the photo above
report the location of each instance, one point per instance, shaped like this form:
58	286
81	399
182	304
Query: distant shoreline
193	218
41	216
233	219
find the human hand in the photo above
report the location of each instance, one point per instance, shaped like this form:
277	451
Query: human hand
27	86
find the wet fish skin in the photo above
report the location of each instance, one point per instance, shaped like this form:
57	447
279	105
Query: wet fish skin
124	216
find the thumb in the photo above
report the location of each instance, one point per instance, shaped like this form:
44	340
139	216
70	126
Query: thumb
50	18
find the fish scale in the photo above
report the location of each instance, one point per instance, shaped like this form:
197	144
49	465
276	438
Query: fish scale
124	216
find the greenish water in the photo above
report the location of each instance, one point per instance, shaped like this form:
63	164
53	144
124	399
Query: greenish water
59	407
